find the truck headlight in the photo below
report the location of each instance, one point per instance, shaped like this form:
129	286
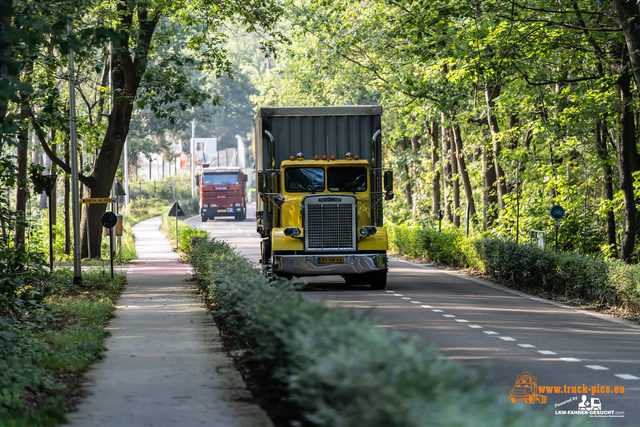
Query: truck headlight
368	230
214	206
292	231
237	204
205	205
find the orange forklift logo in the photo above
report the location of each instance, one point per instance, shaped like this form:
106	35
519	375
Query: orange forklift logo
526	390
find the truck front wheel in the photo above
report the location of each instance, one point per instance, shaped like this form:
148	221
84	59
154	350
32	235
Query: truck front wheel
203	218
378	279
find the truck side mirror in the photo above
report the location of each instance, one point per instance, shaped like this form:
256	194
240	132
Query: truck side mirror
197	179
388	180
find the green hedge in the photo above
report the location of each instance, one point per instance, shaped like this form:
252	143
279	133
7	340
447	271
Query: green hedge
337	367
527	265
185	231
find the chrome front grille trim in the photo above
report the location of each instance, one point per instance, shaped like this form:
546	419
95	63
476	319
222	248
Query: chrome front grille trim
330	223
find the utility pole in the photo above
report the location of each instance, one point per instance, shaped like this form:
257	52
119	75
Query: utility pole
73	145
193	158
126	175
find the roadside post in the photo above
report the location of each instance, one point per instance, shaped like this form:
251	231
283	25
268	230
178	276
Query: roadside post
109	219
467	218
557	213
440	216
87	201
51	182
176	211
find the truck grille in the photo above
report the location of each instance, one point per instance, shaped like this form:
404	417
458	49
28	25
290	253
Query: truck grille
330	226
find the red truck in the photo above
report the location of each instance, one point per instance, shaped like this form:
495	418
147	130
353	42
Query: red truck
222	193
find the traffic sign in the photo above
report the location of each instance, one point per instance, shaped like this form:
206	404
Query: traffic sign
557	212
97	200
176	210
108	219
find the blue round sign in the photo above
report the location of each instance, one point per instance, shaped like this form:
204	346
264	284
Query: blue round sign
557	212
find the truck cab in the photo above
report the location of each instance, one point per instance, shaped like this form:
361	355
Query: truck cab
321	214
222	193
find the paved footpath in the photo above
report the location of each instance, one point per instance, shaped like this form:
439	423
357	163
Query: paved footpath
165	365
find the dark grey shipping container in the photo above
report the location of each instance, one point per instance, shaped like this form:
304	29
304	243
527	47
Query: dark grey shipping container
317	131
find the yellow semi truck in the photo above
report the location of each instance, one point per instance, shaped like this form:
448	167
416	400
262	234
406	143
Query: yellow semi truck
321	189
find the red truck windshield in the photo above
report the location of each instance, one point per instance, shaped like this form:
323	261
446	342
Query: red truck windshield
220	179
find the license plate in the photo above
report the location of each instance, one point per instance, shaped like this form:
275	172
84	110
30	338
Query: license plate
222	210
331	260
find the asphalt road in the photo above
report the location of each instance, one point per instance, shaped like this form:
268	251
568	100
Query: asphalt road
488	326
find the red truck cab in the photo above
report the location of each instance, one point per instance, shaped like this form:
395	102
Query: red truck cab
222	193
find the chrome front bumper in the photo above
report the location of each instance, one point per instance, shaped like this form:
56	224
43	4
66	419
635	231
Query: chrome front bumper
309	265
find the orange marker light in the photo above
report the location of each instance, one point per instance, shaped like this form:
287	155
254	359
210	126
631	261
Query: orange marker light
357	157
324	157
316	158
292	158
333	157
264	199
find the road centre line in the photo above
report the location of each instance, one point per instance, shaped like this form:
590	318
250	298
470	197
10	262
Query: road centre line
627	377
597	367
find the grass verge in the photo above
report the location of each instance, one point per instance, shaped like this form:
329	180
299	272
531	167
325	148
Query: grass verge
49	337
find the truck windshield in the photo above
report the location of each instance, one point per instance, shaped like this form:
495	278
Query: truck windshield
351	179
301	180
220	179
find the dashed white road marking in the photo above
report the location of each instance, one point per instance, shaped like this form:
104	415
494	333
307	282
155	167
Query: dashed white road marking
390	291
627	377
425	306
527	345
507	338
462	321
547	352
406	298
570	359
416	302
597	367
490	332
397	295
475	326
448	315
437	311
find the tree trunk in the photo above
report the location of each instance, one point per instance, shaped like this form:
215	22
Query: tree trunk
67	193
490	196
464	173
435	180
455	181
6	12
627	164
629	20
407	186
21	187
446	171
605	161
126	74
491	93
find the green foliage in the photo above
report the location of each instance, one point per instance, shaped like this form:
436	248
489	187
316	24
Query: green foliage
336	366
525	265
61	332
185	231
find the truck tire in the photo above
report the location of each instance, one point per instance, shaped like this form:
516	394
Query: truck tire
239	217
203	218
378	279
